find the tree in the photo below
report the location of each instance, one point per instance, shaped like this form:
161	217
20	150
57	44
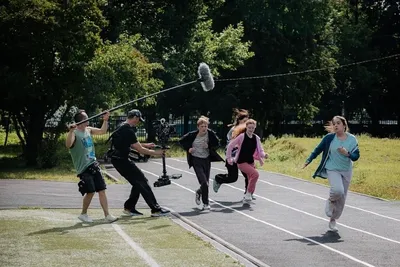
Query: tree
44	46
53	57
286	36
181	35
119	73
383	18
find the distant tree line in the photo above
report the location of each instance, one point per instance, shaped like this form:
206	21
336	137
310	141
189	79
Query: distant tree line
96	54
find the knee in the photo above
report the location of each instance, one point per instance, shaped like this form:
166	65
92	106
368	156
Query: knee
337	194
255	174
204	184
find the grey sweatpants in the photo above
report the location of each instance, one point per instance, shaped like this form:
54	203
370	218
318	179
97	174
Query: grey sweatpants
339	182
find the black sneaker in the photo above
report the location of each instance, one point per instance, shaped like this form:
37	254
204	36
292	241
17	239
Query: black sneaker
197	199
159	213
132	213
216	185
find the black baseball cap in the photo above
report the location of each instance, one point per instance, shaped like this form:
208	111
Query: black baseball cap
135	113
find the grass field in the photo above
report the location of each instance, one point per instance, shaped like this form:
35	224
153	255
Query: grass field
376	173
42	237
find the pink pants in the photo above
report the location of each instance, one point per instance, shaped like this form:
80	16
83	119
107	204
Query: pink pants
252	174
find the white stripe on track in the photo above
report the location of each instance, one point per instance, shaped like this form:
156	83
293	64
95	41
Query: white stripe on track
274	226
307	194
146	257
295	209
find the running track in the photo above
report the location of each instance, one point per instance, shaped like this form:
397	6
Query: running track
285	225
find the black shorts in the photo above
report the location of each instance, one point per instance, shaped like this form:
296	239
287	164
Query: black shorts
93	179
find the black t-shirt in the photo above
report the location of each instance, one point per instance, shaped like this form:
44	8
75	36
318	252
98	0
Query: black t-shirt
122	139
249	146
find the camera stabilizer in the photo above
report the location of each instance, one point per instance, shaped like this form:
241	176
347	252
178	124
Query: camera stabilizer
163	131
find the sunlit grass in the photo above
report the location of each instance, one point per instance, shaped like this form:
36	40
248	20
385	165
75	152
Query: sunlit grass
45	237
376	173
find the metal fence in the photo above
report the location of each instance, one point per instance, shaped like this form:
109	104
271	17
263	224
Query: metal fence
385	128
146	130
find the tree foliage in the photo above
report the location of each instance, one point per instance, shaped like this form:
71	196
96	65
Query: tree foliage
96	54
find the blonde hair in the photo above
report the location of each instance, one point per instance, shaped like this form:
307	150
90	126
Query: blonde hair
241	128
329	126
251	121
202	119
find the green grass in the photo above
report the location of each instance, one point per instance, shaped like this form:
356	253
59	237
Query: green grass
12	166
376	173
56	238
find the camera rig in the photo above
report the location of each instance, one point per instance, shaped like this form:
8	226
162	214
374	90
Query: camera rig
163	131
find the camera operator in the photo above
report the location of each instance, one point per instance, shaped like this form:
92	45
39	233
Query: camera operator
123	139
200	146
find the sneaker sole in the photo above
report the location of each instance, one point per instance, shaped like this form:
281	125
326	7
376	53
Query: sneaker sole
160	215
131	215
85	221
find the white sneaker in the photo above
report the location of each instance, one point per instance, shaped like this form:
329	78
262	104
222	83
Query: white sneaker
332	226
247	197
85	218
328	208
109	218
206	207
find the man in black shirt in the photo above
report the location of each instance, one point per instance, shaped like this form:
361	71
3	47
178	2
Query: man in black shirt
123	139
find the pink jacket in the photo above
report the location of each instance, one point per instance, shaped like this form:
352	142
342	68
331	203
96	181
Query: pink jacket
259	154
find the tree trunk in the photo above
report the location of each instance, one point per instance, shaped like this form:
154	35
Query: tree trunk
18	132
150	117
262	123
185	123
7	122
34	139
373	114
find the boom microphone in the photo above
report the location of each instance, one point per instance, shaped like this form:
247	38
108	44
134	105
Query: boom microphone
205	78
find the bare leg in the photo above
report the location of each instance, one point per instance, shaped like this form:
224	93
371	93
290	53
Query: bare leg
103	202
86	202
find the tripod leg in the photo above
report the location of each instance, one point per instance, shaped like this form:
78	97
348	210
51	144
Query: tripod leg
164	175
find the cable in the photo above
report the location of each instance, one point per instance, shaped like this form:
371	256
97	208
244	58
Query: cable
307	71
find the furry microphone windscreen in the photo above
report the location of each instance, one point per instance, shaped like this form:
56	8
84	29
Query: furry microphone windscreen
206	79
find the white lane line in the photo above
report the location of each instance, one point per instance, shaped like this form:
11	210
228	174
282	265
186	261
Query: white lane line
308	194
301	211
146	257
274	226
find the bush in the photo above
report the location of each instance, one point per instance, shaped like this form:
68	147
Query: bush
48	152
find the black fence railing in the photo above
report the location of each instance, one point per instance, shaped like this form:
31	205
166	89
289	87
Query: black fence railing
385	128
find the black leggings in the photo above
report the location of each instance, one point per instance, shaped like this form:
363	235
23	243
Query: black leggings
139	182
202	169
231	176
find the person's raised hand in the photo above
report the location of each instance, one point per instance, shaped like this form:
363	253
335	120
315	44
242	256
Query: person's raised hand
106	115
71	127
